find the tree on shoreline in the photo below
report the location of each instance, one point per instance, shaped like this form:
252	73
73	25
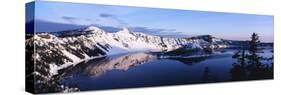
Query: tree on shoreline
249	64
253	57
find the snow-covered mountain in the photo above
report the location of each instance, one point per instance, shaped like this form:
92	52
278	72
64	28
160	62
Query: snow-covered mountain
56	51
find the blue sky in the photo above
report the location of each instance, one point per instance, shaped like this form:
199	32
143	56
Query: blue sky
159	21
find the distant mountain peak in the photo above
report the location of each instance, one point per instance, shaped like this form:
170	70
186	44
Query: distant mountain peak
92	28
45	36
124	30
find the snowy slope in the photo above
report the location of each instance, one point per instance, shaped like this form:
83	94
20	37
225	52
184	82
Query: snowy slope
60	50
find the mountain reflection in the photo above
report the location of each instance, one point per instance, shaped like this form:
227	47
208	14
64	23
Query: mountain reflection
190	61
95	68
148	69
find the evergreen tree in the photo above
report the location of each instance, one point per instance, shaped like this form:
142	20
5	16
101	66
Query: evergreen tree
249	63
253	57
254	60
239	68
240	56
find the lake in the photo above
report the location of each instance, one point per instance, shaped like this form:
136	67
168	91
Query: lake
147	69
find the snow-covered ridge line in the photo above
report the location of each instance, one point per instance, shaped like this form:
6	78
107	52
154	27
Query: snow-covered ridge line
57	52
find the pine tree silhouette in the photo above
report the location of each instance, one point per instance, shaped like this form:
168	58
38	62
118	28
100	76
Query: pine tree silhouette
239	68
253	57
249	64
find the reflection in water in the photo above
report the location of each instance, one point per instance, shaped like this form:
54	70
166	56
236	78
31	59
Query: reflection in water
98	67
191	61
120	63
195	60
206	74
141	70
146	69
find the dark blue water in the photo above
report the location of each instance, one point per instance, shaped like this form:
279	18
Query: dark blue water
145	69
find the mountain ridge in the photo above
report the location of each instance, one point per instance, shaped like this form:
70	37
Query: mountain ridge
55	51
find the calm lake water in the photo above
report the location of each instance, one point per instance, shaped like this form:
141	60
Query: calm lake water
145	69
